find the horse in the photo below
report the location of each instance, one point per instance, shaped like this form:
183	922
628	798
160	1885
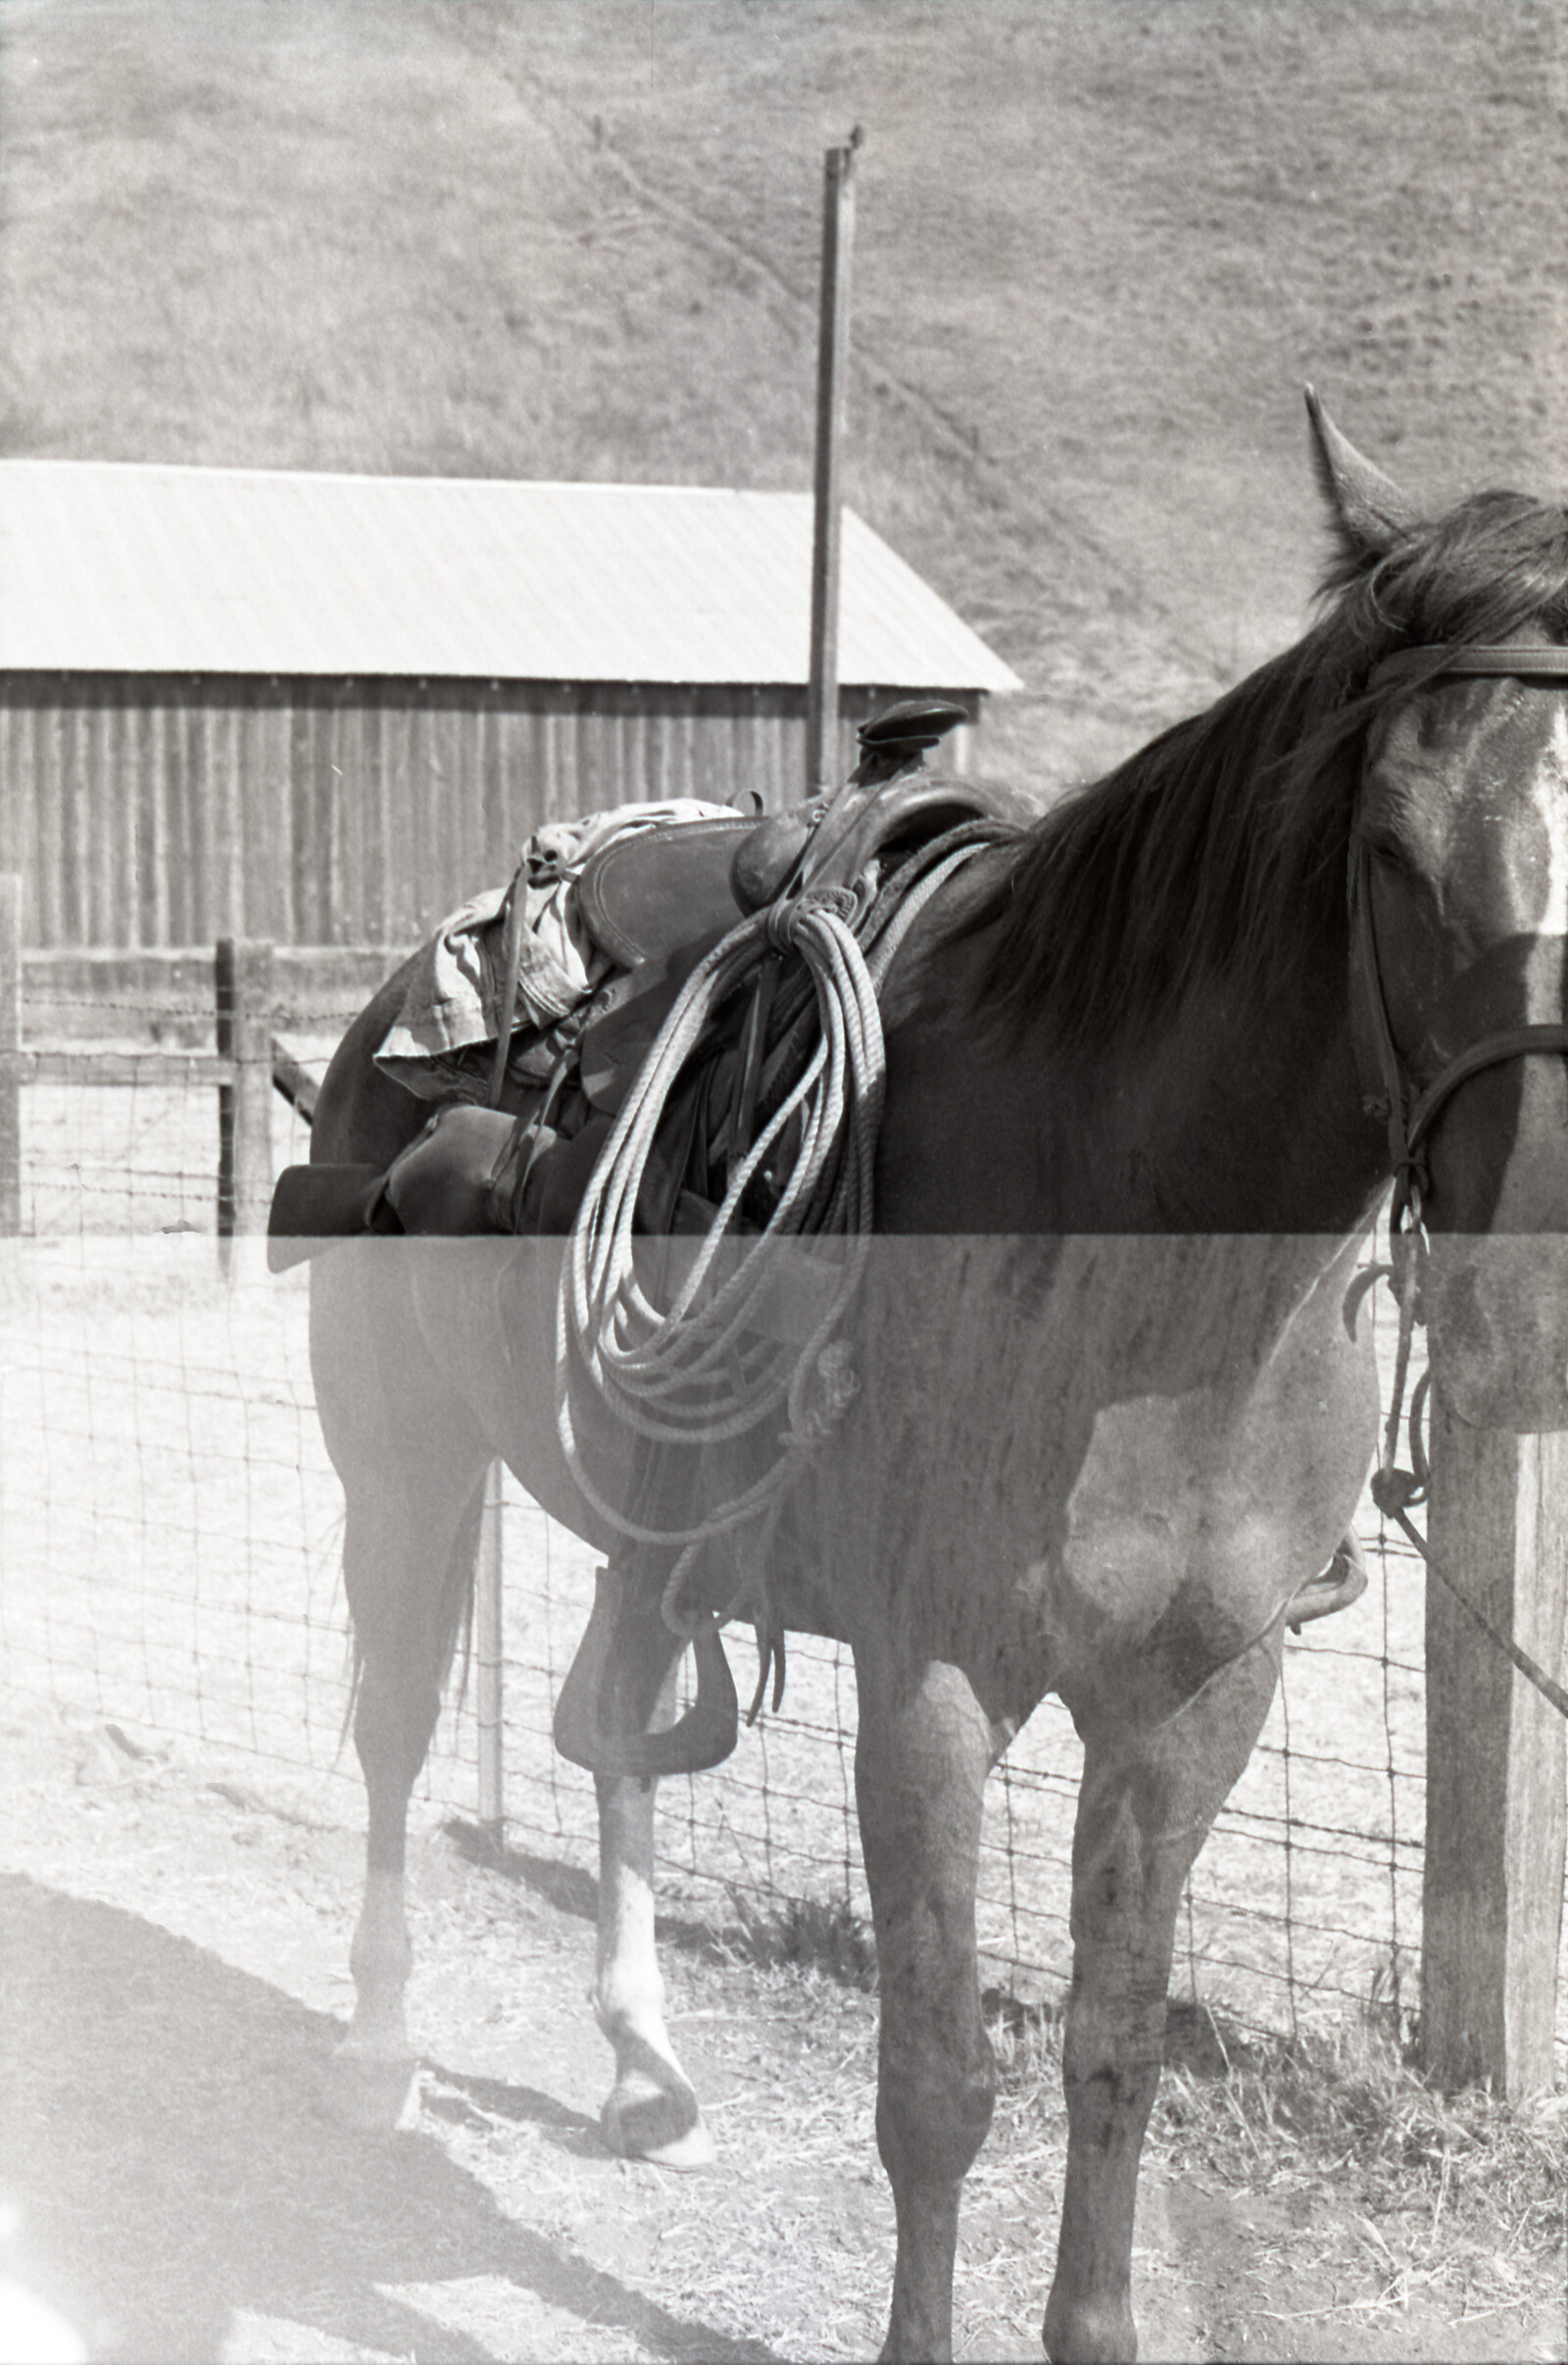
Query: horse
1152	1061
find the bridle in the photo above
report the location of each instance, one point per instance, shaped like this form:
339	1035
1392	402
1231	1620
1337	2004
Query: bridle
1411	1115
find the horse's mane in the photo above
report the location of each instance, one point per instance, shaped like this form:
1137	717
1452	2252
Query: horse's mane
1220	849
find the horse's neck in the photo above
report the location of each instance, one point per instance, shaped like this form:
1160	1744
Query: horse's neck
1246	1115
1237	1117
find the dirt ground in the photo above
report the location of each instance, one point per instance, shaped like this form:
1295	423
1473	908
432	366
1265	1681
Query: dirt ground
173	1943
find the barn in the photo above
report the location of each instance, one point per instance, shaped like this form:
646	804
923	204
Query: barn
323	708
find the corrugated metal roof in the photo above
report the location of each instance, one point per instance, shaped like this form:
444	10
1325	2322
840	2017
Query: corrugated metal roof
113	567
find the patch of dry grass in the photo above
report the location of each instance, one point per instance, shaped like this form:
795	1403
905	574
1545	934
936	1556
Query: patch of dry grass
1249	2107
1351	2099
1456	2199
818	1936
1459	2195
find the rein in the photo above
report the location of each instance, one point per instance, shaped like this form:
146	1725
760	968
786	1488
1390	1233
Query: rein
1411	1115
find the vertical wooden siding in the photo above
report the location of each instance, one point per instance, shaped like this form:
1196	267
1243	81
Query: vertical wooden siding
156	810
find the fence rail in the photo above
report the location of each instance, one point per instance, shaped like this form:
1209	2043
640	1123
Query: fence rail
248	1061
172	1528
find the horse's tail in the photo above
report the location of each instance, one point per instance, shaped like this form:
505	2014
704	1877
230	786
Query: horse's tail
457	1594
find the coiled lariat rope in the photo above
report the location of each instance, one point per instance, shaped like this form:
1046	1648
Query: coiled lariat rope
703	1371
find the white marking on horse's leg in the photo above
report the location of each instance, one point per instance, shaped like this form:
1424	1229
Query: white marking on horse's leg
408	1552
372	2080
651	2112
381	1959
920	1775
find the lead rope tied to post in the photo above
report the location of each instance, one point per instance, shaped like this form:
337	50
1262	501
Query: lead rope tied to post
1394	1489
700	1372
1397	1492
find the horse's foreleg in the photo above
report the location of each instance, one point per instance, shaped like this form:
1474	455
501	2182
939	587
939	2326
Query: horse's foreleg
1145	1808
920	1765
408	1581
651	2112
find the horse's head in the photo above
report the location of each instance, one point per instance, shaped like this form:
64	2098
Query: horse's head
1460	889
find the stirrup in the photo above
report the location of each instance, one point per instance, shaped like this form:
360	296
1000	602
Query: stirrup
704	1737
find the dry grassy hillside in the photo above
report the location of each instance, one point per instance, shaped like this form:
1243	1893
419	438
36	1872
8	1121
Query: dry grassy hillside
1100	243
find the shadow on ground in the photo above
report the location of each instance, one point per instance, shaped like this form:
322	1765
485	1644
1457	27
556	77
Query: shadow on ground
161	2145
564	1886
822	1935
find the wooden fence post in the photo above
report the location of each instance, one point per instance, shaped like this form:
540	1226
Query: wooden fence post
10	1043
1496	1804
487	1651
243	975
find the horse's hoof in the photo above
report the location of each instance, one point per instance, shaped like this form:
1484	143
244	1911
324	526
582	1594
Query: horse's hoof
647	2122
1090	2332
373	2093
693	2150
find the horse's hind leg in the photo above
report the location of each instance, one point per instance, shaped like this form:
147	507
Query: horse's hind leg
1145	1808
920	1763
651	2112
409	1558
412	1460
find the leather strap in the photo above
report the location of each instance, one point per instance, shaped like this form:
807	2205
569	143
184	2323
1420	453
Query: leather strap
1365	956
1514	1043
1410	1120
510	980
1527	660
844	810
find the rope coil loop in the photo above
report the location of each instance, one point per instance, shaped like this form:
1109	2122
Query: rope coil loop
782	917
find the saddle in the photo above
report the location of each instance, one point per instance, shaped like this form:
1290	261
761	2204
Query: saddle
648	896
657	902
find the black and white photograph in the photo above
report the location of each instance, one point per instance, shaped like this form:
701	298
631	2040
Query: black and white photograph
783	1181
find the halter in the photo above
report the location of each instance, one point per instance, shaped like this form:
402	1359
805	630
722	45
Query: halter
1411	1117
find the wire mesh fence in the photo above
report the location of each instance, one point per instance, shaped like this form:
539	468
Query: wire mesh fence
170	1526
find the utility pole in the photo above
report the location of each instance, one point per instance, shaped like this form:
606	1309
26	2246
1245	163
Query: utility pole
832	354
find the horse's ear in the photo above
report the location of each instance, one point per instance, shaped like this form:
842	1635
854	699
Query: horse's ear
1369	510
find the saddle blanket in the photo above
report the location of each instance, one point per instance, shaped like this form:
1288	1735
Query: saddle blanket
451	1006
